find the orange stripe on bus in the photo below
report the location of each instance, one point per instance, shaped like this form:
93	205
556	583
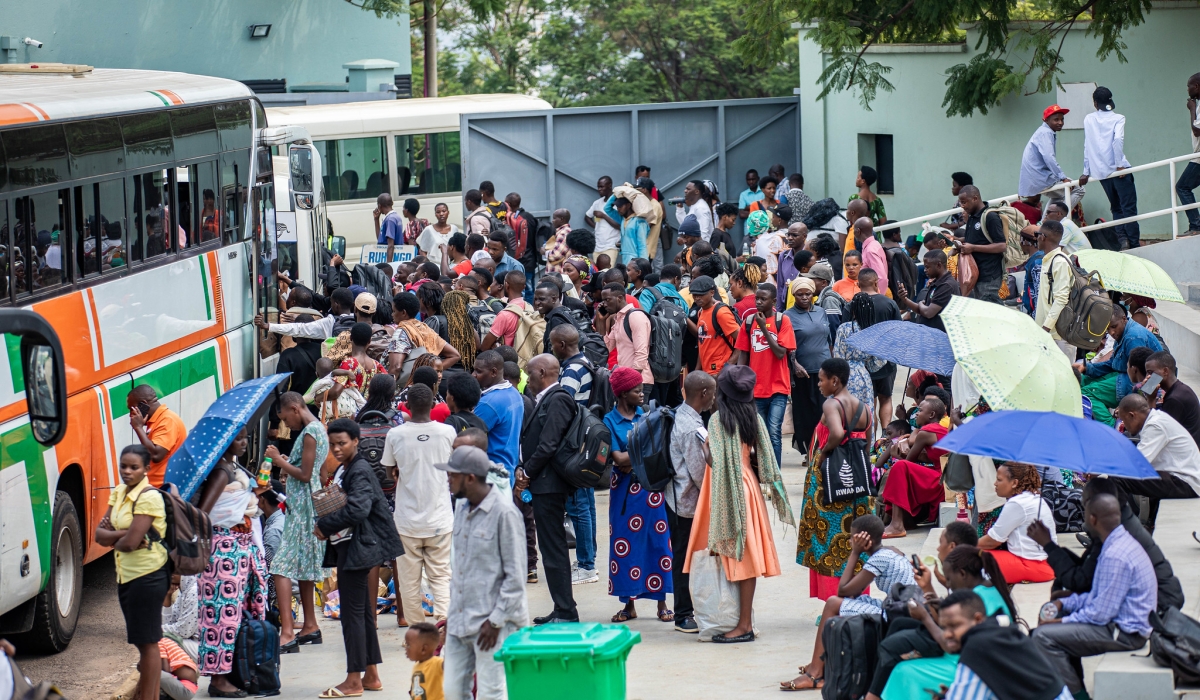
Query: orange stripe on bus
91	300
12	113
175	99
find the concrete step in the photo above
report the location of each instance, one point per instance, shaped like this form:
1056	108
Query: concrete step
1122	675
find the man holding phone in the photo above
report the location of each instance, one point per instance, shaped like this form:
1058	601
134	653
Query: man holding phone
158	428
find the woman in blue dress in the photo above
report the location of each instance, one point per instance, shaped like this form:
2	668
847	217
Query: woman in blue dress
639	543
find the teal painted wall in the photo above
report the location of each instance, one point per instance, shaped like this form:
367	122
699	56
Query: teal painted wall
1149	90
308	43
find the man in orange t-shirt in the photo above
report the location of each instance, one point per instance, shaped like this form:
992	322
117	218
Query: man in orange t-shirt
158	428
715	326
765	345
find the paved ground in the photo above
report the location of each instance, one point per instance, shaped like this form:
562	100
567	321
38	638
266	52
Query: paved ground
665	665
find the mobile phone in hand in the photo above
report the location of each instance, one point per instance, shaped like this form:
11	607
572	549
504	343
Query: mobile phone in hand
916	562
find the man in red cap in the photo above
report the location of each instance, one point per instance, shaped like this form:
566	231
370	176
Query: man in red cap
1040	170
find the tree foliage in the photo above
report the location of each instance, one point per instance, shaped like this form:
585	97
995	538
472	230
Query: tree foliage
1021	41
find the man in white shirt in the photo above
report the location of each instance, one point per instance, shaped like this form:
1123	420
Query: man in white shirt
1190	179
1073	239
1104	157
423	516
342	315
695	204
1169	448
607	229
1054	285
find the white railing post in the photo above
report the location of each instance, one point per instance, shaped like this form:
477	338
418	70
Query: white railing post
1174	204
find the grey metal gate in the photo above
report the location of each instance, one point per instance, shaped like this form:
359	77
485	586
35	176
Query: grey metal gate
553	158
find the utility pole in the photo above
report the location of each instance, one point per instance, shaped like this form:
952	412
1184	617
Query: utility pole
430	31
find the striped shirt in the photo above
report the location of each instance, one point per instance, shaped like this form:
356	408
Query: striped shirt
576	377
968	686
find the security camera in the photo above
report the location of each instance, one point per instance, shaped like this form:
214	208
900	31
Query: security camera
33	42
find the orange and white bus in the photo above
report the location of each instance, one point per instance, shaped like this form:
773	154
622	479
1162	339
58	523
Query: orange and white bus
141	215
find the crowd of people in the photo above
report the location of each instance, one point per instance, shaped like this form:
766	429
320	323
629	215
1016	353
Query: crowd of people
438	400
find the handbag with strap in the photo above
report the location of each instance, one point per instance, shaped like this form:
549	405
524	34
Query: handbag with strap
328	500
846	472
958	475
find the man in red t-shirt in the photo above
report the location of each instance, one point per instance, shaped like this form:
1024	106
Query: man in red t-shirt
766	344
714	325
504	328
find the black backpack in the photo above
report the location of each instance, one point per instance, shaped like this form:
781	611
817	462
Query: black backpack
821	212
591	343
482	316
372	437
603	399
1175	644
1066	504
851	654
583	456
1084	320
668	326
650	448
256	658
496	225
901	270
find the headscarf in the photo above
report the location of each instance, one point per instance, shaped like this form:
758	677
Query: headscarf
623	379
803	283
458	322
758	223
479	256
580	263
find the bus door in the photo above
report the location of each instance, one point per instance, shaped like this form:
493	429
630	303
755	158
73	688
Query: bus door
266	257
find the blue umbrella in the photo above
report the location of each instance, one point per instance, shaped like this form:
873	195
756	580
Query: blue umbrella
1049	440
205	443
908	344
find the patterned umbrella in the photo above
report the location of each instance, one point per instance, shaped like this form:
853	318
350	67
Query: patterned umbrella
907	344
1127	273
205	443
1014	363
1049	440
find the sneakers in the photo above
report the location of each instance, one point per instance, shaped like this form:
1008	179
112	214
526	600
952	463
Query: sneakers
687	625
581	576
532	577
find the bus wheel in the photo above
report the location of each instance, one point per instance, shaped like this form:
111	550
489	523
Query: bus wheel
58	604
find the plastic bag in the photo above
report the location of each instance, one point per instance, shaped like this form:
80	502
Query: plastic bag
715	598
333	605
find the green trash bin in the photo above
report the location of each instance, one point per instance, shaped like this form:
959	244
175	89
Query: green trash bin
567	661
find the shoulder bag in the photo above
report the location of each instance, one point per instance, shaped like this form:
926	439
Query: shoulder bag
846	472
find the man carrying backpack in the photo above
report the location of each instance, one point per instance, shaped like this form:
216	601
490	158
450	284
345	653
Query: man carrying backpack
554	410
1054	287
688	441
626	332
986	246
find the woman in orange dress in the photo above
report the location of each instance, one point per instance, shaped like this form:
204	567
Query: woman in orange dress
731	513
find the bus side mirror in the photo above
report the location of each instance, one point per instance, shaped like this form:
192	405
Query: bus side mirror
300	166
45	389
337	245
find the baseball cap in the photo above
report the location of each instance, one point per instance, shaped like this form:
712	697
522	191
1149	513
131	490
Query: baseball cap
783	211
820	271
357	289
1052	110
702	285
365	302
467	459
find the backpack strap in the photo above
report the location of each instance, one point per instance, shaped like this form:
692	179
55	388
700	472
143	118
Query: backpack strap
625	322
1003	226
717	329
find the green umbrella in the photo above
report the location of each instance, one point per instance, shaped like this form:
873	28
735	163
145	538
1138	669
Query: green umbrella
1127	273
1014	364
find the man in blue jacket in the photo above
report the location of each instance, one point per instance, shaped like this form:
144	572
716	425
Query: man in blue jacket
1107	382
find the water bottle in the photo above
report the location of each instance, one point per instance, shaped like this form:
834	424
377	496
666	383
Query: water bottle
264	472
526	497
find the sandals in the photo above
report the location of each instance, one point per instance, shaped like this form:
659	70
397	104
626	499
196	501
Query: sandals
666	615
333	692
817	683
625	616
401	622
894	535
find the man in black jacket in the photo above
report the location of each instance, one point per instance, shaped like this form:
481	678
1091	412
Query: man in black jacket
554	410
1075	574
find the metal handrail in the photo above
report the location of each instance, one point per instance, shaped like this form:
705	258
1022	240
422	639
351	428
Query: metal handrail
1173	210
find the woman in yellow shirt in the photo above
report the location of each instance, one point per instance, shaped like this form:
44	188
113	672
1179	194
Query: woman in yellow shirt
134	526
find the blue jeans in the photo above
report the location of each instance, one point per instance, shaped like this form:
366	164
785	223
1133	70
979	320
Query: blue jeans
1122	199
1188	181
581	508
772	411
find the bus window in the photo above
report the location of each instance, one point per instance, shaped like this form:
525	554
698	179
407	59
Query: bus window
5	250
204	175
151	213
36	156
38	252
354	168
84	231
233	125
147	139
96	147
429	163
185	208
268	262
110	206
235	173
195	132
